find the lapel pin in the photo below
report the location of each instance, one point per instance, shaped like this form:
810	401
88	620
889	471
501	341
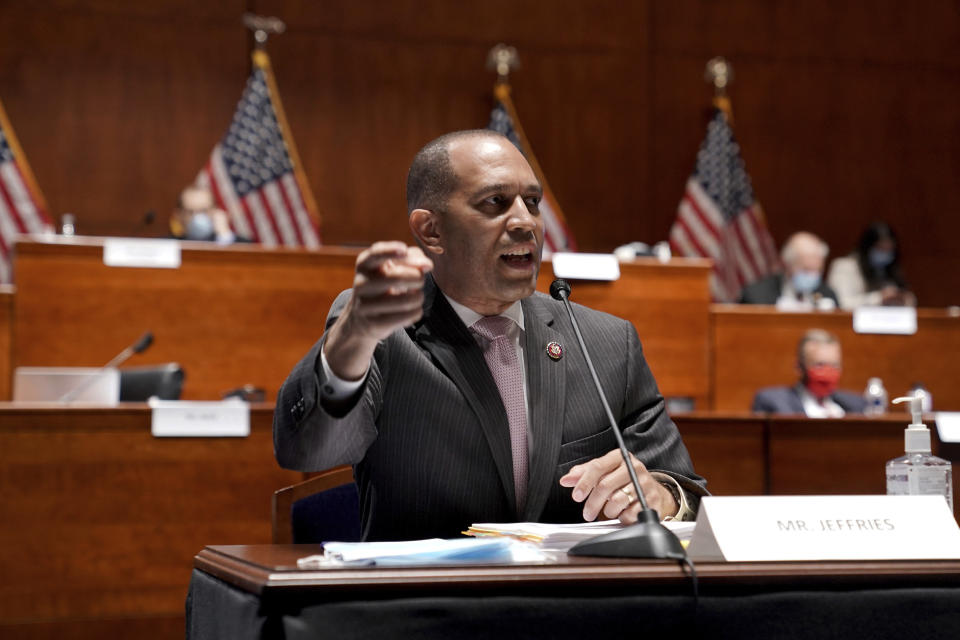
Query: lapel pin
554	350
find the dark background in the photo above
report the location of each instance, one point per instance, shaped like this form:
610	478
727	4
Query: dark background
846	111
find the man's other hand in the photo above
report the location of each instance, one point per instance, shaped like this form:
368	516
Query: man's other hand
603	485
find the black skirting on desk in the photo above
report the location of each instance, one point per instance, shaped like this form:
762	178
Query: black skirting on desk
216	610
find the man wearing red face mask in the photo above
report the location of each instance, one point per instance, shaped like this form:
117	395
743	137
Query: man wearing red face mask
816	394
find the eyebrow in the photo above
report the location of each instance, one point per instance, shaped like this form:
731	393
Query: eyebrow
497	188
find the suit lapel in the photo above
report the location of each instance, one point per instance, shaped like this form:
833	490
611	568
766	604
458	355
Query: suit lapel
545	394
442	334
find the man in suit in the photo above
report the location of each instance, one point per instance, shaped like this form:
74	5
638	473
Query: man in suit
399	385
815	394
800	287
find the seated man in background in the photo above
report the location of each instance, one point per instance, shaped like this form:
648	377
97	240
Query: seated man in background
815	394
448	422
800	287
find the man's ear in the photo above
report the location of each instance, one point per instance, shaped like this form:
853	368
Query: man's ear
425	226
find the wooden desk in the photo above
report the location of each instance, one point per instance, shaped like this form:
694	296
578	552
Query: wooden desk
257	592
756	454
100	519
756	346
242	314
230	315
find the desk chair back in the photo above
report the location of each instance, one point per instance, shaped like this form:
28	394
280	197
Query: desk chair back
323	508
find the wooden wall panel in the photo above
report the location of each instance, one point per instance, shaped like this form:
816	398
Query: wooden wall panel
845	112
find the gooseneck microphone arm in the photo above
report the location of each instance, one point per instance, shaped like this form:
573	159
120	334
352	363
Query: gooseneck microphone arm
648	538
137	347
560	290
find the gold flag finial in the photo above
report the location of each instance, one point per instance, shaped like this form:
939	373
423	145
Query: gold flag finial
503	59
719	73
263	27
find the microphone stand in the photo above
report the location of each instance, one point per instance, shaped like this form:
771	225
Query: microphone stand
648	538
137	347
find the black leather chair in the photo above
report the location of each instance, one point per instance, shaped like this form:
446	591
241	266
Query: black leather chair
164	381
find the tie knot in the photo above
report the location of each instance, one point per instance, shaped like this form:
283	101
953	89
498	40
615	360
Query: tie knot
492	327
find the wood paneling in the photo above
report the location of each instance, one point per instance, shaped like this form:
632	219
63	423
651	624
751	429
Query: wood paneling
100	519
845	112
756	346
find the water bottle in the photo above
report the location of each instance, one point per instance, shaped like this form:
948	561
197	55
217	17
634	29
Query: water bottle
876	398
67	224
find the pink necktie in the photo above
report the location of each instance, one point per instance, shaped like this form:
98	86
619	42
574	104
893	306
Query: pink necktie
501	356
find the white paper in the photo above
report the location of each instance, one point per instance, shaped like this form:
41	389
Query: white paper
141	252
948	426
586	266
892	320
783	528
177	419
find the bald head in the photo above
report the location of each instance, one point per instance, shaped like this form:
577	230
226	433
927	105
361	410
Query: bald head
431	178
804	252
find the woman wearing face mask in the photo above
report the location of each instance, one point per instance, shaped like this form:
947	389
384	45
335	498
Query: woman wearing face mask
871	275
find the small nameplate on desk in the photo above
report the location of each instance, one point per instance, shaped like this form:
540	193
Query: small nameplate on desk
586	266
785	528
179	419
895	320
139	252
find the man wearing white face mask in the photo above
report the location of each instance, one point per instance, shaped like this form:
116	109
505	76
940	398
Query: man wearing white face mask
800	287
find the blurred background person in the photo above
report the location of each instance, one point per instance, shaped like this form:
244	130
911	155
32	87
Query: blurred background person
815	394
871	275
800	287
198	218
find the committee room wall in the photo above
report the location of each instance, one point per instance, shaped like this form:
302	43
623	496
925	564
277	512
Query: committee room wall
845	111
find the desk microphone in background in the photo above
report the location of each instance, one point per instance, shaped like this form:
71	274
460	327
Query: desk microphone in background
141	345
648	538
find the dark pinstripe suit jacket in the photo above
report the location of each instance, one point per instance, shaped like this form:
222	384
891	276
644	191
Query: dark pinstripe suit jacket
428	434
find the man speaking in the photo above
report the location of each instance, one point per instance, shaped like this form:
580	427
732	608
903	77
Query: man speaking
457	391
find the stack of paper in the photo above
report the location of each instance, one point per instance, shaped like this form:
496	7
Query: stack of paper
424	552
561	537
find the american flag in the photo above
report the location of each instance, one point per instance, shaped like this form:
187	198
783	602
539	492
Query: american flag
719	218
254	172
22	209
504	120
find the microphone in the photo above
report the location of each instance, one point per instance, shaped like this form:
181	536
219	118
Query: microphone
648	538
141	345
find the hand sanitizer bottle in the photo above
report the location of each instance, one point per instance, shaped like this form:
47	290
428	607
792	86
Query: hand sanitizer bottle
918	472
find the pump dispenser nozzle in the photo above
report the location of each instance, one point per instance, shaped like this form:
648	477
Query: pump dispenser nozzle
916	437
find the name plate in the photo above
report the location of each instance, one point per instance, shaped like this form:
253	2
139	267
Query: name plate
892	320
948	426
783	528
137	252
180	419
586	266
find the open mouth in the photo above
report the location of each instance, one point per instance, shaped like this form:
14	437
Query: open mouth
518	258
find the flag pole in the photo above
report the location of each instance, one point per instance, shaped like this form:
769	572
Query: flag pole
719	73
263	27
23	165
503	59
